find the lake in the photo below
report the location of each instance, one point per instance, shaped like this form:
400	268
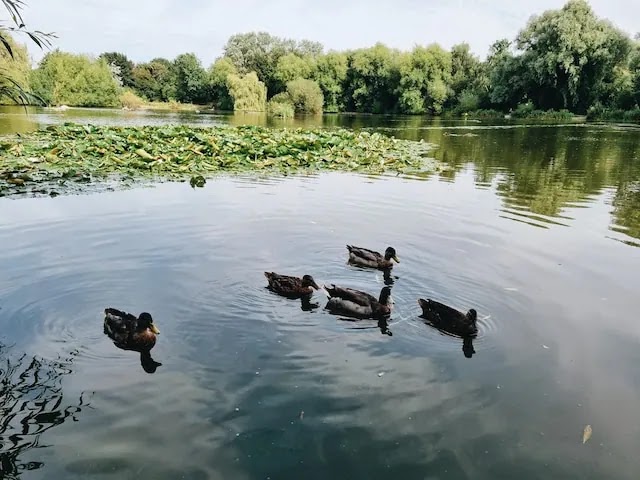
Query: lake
537	227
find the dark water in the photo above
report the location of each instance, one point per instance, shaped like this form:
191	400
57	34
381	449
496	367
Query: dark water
536	227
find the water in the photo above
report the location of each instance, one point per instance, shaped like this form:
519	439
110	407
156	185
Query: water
535	227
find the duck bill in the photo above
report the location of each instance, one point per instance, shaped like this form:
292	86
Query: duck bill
395	257
154	329
315	285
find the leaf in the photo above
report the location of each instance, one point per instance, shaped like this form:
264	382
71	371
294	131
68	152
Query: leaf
586	435
143	153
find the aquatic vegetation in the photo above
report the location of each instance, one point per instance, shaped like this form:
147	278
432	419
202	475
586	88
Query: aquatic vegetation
47	161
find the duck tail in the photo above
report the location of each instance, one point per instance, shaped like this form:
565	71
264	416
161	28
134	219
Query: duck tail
424	304
331	289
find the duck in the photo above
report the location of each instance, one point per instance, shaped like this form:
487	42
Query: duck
292	287
129	332
449	319
364	257
357	304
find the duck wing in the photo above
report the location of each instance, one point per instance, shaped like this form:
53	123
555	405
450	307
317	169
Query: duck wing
364	253
349	294
341	306
283	282
442	312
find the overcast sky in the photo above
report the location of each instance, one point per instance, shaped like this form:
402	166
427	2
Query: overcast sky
144	29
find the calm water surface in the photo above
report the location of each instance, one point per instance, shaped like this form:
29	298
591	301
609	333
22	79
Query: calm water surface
535	227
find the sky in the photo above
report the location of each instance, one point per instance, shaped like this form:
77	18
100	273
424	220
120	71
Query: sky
144	29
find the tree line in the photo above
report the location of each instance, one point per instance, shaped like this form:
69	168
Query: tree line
565	60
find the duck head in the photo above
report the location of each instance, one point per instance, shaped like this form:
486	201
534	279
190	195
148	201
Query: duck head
390	253
308	281
145	321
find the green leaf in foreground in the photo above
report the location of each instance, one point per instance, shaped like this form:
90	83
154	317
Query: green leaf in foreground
70	153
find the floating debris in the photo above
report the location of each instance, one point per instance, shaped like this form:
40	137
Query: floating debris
586	435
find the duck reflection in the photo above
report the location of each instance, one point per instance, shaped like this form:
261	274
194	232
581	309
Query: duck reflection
133	334
306	305
467	347
389	279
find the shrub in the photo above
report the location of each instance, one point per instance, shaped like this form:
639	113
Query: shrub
306	96
130	100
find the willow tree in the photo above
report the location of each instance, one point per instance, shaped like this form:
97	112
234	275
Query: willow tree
248	92
9	86
569	53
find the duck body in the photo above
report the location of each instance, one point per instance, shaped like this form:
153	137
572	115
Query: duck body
363	257
129	332
291	287
449	319
357	304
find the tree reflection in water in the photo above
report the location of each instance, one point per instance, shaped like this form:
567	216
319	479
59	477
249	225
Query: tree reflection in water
31	402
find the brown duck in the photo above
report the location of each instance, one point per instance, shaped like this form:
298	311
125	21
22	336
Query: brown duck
291	287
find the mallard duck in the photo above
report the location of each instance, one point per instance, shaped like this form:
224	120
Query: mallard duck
354	303
449	319
292	287
129	332
368	258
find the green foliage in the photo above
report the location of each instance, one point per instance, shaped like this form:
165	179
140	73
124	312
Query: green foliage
84	152
568	54
15	69
372	77
425	74
330	73
292	66
305	96
75	80
192	83
468	101
13	79
259	52
248	92
156	80
123	67
281	105
218	75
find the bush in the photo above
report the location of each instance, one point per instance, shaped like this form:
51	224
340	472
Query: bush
468	101
280	105
248	92
131	101
306	96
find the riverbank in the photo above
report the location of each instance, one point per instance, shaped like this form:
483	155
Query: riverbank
64	158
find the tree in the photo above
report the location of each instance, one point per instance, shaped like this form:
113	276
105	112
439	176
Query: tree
248	92
191	79
124	65
425	75
259	52
15	68
9	87
218	80
372	78
156	80
76	80
569	53
508	76
305	96
292	66
330	73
